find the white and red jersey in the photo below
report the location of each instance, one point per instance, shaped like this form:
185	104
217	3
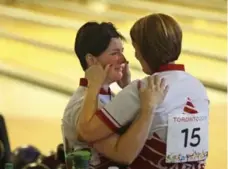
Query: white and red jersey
186	94
69	121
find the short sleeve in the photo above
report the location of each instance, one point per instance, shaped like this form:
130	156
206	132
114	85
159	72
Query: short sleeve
122	109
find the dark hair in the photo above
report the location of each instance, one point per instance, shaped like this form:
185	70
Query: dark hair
93	38
159	39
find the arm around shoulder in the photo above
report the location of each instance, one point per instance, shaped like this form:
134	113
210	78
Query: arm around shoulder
113	116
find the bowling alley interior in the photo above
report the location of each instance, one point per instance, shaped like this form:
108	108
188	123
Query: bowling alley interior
39	70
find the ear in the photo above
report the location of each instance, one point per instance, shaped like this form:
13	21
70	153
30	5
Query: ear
90	59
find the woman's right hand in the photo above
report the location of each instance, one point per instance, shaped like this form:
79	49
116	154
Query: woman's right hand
96	75
153	94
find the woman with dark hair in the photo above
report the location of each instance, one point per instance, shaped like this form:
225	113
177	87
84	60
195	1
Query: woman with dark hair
178	135
101	44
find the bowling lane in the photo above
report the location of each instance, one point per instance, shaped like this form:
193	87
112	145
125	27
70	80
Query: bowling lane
76	12
195	22
50	63
197	41
63	37
47	34
203	68
211	5
39	62
32	114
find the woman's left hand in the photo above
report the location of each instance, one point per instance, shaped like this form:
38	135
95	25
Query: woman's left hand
126	79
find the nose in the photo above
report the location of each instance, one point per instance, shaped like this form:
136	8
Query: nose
121	58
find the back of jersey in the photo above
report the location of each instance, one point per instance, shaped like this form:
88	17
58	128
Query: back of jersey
186	95
179	132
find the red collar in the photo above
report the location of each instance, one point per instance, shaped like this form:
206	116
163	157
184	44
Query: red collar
84	82
170	67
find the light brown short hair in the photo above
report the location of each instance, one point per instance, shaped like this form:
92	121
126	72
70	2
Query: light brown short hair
159	39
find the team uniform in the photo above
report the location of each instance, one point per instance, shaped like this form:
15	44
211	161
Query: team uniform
178	137
70	117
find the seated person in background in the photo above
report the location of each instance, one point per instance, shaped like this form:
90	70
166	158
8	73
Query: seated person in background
101	44
178	137
5	151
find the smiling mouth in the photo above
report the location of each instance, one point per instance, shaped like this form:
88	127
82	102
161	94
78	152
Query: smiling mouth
120	68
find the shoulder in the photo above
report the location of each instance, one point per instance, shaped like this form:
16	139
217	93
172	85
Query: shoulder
76	98
74	104
133	86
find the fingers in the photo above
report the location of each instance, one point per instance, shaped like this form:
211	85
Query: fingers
126	65
162	84
99	66
166	90
139	85
95	66
107	68
154	83
150	82
155	77
157	83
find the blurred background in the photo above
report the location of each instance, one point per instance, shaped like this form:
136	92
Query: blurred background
39	71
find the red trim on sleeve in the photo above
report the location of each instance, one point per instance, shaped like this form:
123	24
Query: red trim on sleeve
106	120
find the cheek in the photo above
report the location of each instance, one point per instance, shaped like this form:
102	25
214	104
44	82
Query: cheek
107	59
112	60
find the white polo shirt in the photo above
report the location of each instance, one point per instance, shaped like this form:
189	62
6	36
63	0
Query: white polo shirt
70	117
186	95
